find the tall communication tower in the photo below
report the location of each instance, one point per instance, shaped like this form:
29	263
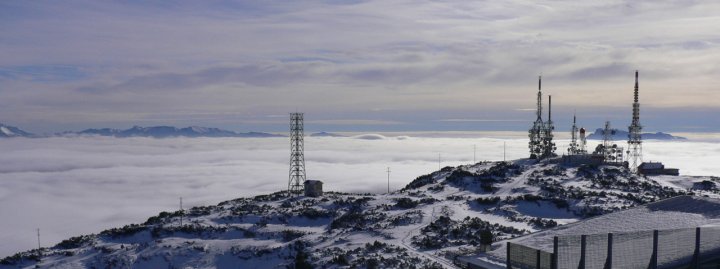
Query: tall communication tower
634	134
541	137
536	132
296	184
549	145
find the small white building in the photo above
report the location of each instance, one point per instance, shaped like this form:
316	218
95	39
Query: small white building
313	188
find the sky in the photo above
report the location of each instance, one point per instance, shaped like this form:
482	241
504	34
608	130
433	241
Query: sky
355	65
45	182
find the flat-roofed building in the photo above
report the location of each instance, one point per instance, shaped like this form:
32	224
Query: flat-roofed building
657	168
313	188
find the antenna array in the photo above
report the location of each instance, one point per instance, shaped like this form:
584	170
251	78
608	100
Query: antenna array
541	137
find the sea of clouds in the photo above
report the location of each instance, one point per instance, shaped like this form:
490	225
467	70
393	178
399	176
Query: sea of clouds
72	186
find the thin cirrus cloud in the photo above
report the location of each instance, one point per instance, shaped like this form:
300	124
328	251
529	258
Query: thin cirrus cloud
377	60
353	122
483	120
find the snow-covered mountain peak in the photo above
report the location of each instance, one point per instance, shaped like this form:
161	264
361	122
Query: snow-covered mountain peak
6	131
199	129
11	131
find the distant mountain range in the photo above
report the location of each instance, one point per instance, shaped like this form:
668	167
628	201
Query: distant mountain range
168	131
195	131
137	131
623	135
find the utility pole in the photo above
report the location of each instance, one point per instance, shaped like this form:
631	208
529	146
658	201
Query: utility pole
439	161
181	212
388	171
504	150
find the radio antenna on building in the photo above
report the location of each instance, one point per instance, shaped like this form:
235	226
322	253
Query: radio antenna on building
38	237
297	156
181	212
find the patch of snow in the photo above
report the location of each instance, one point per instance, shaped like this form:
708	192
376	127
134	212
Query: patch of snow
6	131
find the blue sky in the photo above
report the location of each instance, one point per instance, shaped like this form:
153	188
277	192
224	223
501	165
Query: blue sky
356	65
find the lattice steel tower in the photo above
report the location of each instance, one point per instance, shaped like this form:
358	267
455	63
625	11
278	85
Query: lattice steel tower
536	132
634	133
296	184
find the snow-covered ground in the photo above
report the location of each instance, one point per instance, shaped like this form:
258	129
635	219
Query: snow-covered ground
73	186
435	218
678	213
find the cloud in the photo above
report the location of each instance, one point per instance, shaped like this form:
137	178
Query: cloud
612	70
370	137
483	120
353	122
42	73
361	57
